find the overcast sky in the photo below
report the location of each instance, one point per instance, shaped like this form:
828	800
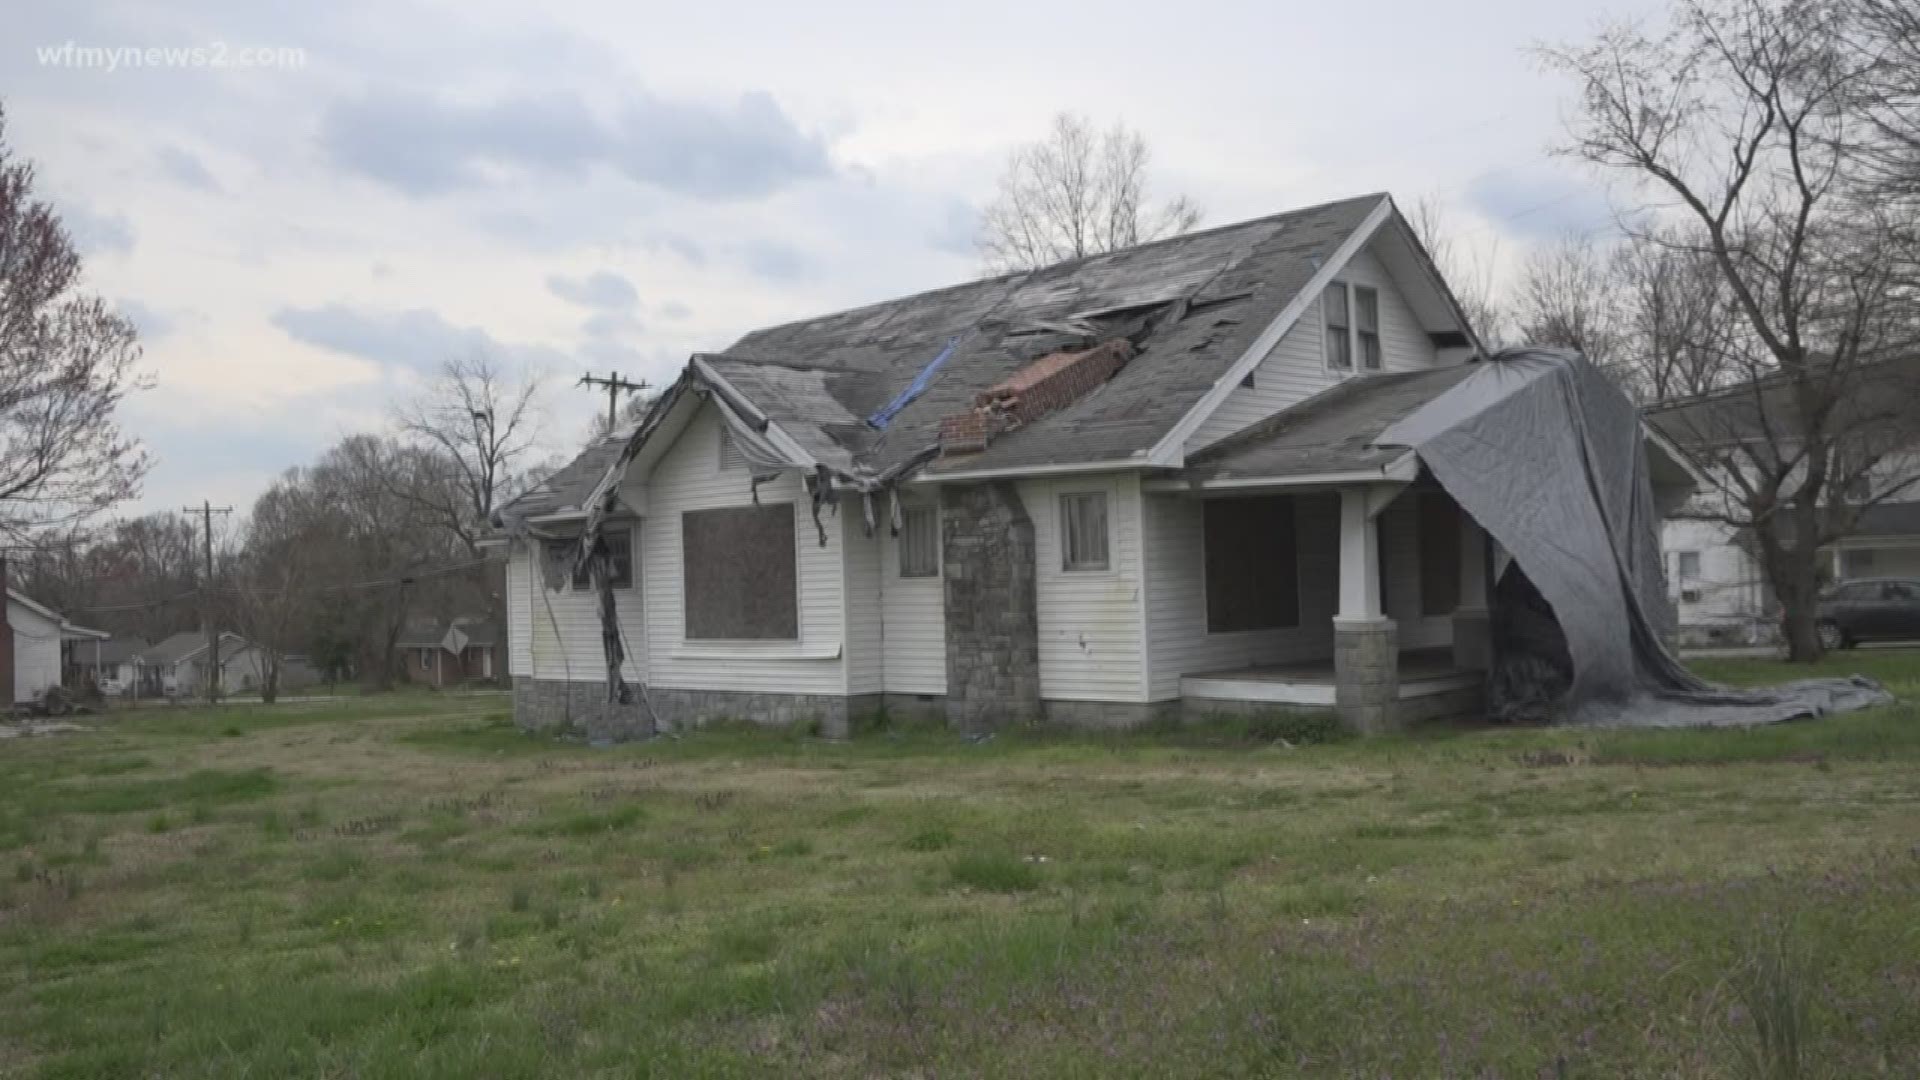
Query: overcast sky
616	184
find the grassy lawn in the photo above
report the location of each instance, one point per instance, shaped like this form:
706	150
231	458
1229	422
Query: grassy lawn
408	887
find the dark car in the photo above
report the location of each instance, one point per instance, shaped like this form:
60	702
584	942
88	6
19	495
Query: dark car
1871	609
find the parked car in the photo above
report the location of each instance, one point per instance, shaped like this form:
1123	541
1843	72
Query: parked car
1870	609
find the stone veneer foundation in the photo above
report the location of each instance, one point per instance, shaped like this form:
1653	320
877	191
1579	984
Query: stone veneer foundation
553	705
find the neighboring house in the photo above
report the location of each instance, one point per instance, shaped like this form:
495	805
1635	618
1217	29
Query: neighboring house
1714	575
1127	484
244	668
116	666
451	652
181	663
37	636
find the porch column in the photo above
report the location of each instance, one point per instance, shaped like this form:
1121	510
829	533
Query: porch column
1472	626
1366	646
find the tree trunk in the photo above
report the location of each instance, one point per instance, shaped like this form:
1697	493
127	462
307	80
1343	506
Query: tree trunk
1794	573
270	683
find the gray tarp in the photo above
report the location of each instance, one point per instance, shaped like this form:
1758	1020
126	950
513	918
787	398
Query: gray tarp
1548	457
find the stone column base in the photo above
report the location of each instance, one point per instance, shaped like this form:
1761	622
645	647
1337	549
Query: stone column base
1366	674
1473	639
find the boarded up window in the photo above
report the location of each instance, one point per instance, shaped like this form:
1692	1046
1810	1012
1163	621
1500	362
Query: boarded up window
620	552
1252	555
1083	531
919	542
741	582
1439	554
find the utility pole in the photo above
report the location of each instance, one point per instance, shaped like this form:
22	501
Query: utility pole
206	510
615	387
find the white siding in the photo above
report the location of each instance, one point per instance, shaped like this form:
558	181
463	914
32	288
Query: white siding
563	624
1729	588
520	602
1399	526
915	643
1091	625
865	656
1177	637
36	652
1297	369
688	477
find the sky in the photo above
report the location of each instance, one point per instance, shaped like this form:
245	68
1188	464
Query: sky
306	216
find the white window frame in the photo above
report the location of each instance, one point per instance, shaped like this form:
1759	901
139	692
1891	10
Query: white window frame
1067	564
1680	575
1326	329
931	514
1356	353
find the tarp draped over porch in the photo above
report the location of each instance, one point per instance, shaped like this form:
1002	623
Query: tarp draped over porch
1549	457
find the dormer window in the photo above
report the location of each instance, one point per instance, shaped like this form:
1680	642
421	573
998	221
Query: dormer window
1352	317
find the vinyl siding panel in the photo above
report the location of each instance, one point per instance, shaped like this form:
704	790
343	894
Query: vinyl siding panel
519	610
915	642
1176	616
1091	624
564	625
36	653
1399	526
1296	369
688	477
864	659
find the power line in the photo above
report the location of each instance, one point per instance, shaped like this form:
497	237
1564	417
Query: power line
208	622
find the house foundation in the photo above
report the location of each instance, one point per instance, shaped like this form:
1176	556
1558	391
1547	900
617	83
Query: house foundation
556	706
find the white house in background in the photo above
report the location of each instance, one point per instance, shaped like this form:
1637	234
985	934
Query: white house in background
181	661
1714	575
1125	484
36	634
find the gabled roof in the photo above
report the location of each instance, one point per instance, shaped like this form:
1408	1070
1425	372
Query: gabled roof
1869	397
186	645
1332	432
1195	305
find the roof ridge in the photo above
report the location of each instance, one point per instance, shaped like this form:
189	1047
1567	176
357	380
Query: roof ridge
1052	266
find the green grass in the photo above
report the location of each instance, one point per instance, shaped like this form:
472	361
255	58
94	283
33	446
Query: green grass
407	886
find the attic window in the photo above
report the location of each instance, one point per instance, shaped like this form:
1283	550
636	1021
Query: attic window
1339	327
730	456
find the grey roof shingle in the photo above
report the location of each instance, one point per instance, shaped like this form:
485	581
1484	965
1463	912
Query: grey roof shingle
819	379
1331	432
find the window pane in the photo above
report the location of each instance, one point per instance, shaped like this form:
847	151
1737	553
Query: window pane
1370	350
619	546
1337	305
1366	304
740	573
1689	565
919	542
1083	518
1339	348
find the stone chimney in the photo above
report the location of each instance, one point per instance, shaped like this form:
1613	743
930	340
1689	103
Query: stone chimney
1046	385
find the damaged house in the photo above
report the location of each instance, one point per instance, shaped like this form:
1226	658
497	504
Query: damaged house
1095	493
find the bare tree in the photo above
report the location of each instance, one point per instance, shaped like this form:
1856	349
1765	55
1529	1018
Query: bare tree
1568	296
1679	328
1468	274
1077	192
66	362
273	572
1744	121
480	426
1889	31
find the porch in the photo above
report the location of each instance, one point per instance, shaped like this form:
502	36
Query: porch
1311	683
